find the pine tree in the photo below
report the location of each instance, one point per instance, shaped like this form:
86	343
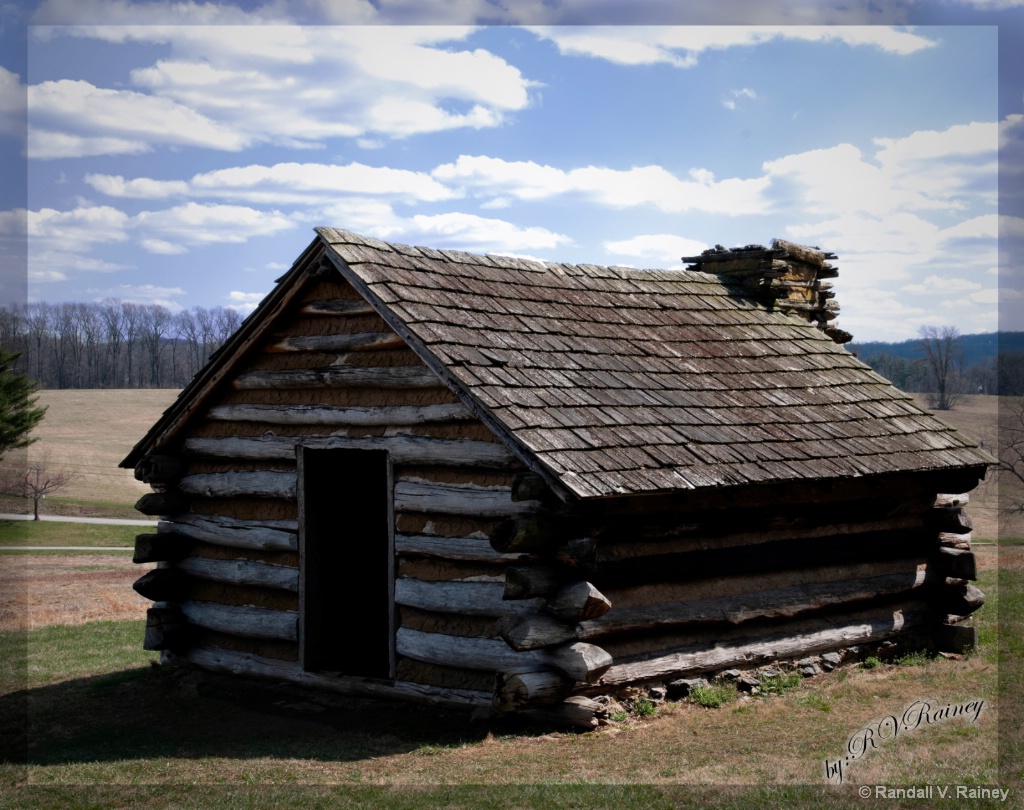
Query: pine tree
18	411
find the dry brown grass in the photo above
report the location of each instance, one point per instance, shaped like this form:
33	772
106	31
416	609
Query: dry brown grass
90	431
41	590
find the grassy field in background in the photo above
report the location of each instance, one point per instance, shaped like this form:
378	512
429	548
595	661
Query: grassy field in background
47	533
90	431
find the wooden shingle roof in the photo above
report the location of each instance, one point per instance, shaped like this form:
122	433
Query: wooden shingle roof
619	381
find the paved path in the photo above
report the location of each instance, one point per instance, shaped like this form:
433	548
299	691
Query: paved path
63	519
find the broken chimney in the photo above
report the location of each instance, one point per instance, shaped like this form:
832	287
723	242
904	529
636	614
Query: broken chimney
785	277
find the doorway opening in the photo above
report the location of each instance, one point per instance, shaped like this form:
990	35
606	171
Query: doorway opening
346	562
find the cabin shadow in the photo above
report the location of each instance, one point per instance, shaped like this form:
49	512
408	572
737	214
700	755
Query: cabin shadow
156	713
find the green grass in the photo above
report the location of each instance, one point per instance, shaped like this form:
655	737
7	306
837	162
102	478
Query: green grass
53	533
714	695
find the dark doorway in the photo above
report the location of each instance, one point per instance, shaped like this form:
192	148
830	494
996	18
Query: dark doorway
346	568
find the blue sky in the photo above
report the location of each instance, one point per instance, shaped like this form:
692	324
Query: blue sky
181	153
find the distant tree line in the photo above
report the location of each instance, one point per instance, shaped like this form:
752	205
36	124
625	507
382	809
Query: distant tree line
113	343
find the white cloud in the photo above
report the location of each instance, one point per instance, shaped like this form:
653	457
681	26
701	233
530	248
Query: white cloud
680	46
44	145
282	183
244	302
141	188
660	247
941	285
146	294
230	87
194	223
470	232
79	227
81	109
614	188
12	103
163	247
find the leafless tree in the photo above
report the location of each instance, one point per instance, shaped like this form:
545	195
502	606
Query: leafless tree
944	354
33	478
1011	455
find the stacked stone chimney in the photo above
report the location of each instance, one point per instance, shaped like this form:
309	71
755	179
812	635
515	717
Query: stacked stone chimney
785	277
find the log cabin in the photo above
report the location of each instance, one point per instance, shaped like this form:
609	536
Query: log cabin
504	484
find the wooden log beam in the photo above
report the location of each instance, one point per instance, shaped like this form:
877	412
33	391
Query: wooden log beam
472	598
341	306
355	342
234	533
577	712
763	647
162	503
352	416
955	638
487	654
159	469
951	520
164	547
339	377
526	533
580	661
414	495
961	599
237	663
951	540
163	585
244	620
577	602
514	691
241	572
957	563
774	603
166	629
403	449
947	500
527	581
534	631
468	549
253	484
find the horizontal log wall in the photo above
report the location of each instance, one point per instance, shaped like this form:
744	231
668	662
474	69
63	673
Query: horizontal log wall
333	376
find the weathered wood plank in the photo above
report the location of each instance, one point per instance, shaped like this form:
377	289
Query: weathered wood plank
244	620
580	661
341	306
162	503
340	377
403	449
534	631
160	547
241	572
472	598
764	647
462	652
237	663
166	629
414	495
225	531
254	484
522	690
359	341
163	585
451	548
578	601
341	416
775	603
159	470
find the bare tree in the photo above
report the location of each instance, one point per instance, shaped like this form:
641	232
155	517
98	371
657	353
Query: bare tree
943	351
33	478
1011	455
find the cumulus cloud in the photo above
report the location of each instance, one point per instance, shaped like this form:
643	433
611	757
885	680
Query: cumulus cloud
681	46
660	247
195	223
231	87
146	294
282	183
244	302
137	120
615	188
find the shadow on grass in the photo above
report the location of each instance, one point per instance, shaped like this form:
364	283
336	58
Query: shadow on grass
155	712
